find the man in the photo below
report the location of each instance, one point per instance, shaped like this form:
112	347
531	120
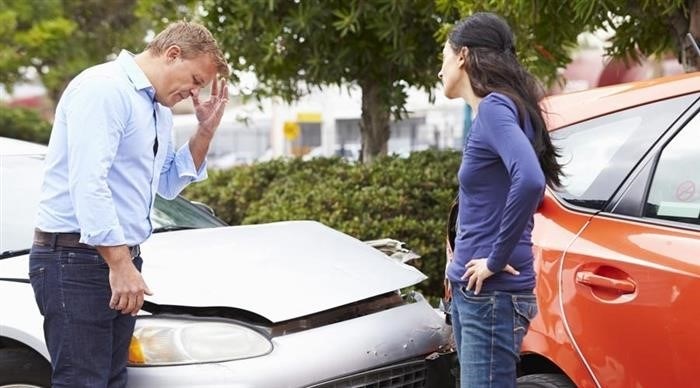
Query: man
110	152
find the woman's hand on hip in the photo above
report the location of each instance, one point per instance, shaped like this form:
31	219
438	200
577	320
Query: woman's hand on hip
477	272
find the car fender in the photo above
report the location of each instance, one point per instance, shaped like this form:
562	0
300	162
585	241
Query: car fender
25	323
540	344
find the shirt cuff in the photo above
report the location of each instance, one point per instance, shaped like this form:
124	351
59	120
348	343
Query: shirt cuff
490	262
108	237
185	165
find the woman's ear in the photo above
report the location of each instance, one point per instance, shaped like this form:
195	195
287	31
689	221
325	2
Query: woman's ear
463	55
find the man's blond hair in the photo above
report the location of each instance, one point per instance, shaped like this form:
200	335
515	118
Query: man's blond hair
193	39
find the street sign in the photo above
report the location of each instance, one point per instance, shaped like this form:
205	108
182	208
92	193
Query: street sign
291	130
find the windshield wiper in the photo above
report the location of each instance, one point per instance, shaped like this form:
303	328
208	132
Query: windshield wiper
171	228
13	253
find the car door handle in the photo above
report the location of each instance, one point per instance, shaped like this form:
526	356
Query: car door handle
595	280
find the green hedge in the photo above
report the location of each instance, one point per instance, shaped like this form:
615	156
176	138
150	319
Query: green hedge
402	198
24	124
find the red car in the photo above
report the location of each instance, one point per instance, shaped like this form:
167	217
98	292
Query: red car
617	248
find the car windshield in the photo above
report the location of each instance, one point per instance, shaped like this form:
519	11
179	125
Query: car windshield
20	184
180	213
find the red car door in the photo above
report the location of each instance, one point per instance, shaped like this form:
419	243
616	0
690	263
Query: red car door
630	282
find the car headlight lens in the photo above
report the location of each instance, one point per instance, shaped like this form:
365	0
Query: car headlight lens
169	341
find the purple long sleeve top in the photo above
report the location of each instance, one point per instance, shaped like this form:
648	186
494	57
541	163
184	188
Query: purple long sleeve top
501	185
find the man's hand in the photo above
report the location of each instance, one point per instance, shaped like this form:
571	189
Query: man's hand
209	115
209	112
477	272
126	282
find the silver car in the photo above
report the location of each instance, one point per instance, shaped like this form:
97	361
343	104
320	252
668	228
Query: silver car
287	304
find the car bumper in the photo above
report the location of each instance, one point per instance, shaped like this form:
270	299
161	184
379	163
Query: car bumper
312	357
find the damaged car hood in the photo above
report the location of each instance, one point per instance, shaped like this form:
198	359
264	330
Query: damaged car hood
280	271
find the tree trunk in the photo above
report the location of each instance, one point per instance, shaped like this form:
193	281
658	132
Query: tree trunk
694	29
375	122
681	25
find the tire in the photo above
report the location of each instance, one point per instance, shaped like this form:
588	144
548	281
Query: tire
20	367
548	380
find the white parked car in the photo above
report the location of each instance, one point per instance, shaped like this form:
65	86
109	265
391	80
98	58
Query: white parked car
288	304
349	152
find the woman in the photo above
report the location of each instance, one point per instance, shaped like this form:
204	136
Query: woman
507	159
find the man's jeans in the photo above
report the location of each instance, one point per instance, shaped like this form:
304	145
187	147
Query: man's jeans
489	330
88	342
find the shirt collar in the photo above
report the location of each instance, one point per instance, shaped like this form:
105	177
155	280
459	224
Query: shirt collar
133	71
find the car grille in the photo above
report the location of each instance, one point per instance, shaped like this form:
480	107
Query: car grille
411	374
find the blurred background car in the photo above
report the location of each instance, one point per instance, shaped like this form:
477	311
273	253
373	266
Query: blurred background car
287	304
349	152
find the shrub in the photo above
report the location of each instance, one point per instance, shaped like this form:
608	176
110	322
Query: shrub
24	124
402	198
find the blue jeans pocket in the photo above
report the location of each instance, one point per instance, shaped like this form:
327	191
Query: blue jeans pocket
524	310
86	271
41	261
477	306
37	278
85	287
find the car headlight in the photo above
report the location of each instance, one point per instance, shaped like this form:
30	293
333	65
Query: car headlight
174	341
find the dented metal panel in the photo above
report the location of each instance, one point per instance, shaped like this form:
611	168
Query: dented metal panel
280	271
313	356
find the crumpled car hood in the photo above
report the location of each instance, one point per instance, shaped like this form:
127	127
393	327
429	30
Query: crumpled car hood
280	271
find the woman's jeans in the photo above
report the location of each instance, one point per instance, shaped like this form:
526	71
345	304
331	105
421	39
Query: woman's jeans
489	330
88	341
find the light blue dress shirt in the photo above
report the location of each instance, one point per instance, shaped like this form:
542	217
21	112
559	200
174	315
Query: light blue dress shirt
101	175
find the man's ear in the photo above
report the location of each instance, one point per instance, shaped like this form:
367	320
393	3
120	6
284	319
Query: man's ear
173	52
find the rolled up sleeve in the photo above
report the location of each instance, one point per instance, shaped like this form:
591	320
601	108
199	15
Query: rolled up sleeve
179	171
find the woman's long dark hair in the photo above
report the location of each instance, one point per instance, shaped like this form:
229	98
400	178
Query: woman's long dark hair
492	66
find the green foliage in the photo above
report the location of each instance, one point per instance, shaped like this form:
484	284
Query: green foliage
403	198
24	124
547	30
381	46
292	46
163	12
642	27
231	192
59	38
544	31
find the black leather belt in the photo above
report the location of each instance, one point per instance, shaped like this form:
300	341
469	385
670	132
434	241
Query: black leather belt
70	240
